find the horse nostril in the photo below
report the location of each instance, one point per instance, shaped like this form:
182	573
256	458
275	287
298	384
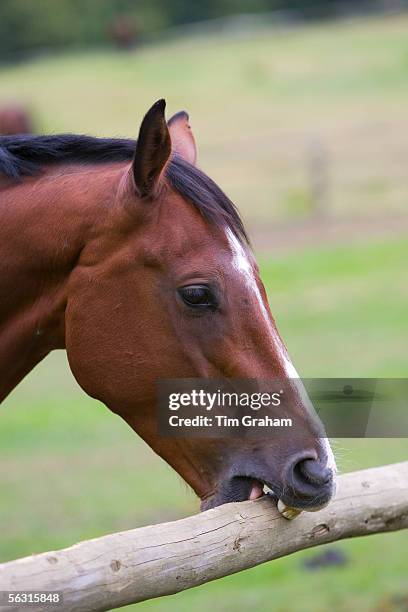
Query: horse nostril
313	472
308	483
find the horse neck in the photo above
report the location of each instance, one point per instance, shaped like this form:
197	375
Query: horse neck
44	225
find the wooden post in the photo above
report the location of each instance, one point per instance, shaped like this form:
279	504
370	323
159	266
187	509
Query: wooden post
318	176
132	566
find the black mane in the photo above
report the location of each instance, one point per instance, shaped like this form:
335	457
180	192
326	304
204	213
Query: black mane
25	155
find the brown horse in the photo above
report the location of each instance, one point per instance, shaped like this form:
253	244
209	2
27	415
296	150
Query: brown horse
129	257
14	119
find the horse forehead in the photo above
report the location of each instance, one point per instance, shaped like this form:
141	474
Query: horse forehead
243	263
241	259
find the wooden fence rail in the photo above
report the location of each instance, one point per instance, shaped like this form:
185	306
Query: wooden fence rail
139	564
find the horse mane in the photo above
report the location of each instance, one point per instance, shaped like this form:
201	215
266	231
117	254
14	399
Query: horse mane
25	155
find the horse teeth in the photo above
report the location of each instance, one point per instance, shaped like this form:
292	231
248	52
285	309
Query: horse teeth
287	511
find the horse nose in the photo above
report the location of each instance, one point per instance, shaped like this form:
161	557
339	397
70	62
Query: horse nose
313	472
309	483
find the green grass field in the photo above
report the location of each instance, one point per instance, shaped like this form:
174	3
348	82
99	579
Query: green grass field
258	104
71	470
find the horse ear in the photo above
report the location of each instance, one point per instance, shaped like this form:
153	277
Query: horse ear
153	149
182	138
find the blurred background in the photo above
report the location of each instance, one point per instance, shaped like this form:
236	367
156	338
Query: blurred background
300	114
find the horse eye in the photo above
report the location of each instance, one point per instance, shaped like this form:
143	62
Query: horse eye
197	296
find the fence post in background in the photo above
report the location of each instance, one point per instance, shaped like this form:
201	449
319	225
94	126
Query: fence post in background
317	166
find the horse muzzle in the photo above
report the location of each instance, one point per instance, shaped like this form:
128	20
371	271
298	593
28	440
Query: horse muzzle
302	484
